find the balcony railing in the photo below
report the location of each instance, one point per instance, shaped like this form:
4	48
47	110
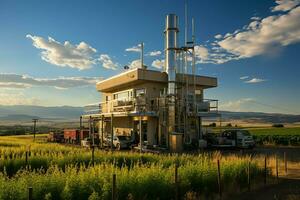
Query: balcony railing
146	105
123	105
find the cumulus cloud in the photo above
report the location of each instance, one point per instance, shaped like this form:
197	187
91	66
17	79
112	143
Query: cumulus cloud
255	80
134	48
154	53
135	64
260	36
219	36
255	18
285	5
244	77
159	64
24	81
80	56
107	62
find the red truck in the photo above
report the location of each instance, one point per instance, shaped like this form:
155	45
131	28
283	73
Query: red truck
74	136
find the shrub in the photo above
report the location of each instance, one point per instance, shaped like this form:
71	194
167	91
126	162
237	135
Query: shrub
278	125
212	124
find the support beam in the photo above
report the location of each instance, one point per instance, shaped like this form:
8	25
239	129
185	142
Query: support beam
141	133
102	131
80	123
112	132
93	131
90	127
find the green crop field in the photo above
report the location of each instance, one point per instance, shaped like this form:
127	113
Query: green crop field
271	135
275	131
277	136
57	171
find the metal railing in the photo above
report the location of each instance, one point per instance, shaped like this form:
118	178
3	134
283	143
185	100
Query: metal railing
123	105
146	104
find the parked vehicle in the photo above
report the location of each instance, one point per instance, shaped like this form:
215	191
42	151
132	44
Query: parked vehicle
238	138
74	136
119	142
57	136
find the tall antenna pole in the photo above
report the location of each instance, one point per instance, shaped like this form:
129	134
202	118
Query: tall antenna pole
186	24
142	55
193	31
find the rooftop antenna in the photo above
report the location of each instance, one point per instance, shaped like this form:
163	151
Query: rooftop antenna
186	23
142	56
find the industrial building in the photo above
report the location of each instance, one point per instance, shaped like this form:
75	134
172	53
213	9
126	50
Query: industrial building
163	108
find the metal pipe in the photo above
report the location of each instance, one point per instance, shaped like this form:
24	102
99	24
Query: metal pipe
171	32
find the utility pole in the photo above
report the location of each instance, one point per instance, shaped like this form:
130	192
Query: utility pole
34	127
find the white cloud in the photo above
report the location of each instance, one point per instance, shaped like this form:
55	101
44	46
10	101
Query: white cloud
107	62
219	36
135	64
24	81
255	18
17	99
201	53
159	64
244	77
255	80
285	5
134	48
80	56
14	85
154	53
261	37
265	36
236	105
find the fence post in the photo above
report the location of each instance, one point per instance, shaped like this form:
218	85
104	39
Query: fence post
93	155
276	164
285	163
249	178
265	174
26	158
219	180
114	187
176	182
30	191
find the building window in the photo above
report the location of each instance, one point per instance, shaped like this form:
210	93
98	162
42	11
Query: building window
126	95
140	92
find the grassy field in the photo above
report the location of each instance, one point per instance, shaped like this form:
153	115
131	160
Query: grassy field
66	172
270	135
275	131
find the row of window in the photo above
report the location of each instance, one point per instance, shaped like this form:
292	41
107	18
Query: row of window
128	94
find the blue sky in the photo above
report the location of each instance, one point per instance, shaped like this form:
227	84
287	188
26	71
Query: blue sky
53	52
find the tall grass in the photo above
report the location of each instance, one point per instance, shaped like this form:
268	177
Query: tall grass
66	172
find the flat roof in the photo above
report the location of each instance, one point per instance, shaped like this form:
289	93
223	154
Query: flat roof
138	76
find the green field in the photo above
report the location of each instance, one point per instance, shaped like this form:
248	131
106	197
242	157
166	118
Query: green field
275	131
56	171
270	135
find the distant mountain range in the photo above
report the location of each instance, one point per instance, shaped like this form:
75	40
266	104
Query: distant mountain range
19	112
260	117
22	112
